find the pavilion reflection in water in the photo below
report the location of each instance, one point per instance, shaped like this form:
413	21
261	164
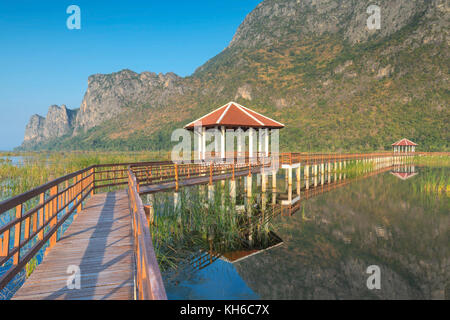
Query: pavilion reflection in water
282	199
404	172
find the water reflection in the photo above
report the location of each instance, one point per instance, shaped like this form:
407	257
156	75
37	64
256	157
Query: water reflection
404	171
329	228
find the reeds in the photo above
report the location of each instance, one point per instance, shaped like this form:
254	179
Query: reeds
432	161
202	222
38	168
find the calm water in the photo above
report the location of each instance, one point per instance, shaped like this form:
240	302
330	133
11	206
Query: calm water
329	241
14	160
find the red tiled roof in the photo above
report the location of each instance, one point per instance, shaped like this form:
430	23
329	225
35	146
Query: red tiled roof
404	175
234	115
404	142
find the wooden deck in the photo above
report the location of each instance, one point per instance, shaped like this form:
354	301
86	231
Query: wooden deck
99	241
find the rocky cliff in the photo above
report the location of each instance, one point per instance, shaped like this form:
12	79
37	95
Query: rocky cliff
108	94
59	122
312	64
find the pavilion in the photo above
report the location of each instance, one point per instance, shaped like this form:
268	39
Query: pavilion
236	117
404	145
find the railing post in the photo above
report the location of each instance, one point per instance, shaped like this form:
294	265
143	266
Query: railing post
17	230
54	214
210	173
41	216
5	246
176	177
93	181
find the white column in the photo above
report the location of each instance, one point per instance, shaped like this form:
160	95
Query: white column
199	136
266	138
260	141
250	142
239	142
222	142
203	143
216	143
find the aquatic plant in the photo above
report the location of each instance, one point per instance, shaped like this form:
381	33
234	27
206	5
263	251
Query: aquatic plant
39	168
202	221
432	161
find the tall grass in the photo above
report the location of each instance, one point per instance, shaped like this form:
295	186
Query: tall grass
436	181
433	161
198	223
356	169
39	168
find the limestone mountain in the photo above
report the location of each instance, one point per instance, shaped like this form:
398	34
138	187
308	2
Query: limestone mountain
59	122
311	64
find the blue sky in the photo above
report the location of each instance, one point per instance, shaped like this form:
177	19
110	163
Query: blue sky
42	62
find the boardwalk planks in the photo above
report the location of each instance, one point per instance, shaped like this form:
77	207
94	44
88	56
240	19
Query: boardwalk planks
99	242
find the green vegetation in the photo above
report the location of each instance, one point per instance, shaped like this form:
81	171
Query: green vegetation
198	224
355	169
437	181
433	161
38	168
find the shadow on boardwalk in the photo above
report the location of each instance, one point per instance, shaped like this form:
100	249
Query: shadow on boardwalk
99	242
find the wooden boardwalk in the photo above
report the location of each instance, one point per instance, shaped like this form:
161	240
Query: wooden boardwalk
99	242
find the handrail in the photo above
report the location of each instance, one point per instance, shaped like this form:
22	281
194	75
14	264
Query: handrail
149	284
25	234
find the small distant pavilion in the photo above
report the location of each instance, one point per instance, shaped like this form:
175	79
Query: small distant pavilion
404	145
237	117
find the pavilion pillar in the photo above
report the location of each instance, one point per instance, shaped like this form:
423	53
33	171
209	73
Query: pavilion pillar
250	142
200	143
222	142
216	144
203	143
266	138
239	144
260	141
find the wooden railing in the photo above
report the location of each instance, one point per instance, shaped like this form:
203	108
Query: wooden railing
159	173
314	158
36	216
149	283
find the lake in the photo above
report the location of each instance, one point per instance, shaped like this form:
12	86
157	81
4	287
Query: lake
397	220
